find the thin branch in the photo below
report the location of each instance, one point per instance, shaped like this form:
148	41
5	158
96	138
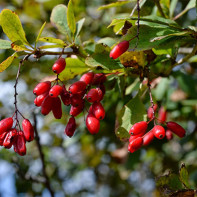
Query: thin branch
151	101
157	3
37	138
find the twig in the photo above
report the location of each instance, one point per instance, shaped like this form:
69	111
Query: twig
138	24
151	101
157	3
37	138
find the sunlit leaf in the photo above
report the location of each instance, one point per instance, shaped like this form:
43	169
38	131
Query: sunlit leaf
52	40
6	63
79	26
40	32
116	4
71	17
19	46
5	44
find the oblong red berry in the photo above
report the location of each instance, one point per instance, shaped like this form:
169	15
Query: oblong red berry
46	106
65	97
76	100
162	115
148	138
176	129
159	132
59	65
139	127
169	135
93	95
98	110
10	138
135	144
132	137
2	137
28	130
74	111
42	88
40	98
20	144
6	124
99	78
87	78
57	108
77	87
70	127
150	111
55	91
92	124
119	49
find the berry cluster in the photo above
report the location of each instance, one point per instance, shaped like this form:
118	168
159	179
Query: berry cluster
49	98
15	136
140	138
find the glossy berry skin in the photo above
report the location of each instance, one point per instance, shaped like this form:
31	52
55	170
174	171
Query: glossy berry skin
135	144
5	124
93	96
55	91
70	127
20	144
42	88
92	124
169	135
76	100
65	97
2	137
148	138
59	65
77	87
74	111
10	138
119	49
98	110
87	78
99	78
39	99
100	94
28	130
150	111
159	132
57	108
46	106
176	129
139	127
162	115
132	137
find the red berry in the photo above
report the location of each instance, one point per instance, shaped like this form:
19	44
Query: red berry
65	97
150	111
98	110
148	138
74	111
76	100
119	49
132	137
28	130
20	144
77	87
55	91
93	96
59	65
70	127
46	106
159	132
99	78
92	124
42	88
57	108
135	144
162	115
6	124
100	94
87	78
2	137
169	135
176	128
139	127
10	138
39	99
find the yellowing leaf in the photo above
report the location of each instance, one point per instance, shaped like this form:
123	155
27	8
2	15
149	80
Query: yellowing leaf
7	62
71	17
5	44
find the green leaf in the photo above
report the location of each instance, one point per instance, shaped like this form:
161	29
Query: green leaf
19	46
50	46
172	7
108	41
52	40
59	19
5	44
39	34
134	86
116	4
79	26
71	17
134	111
12	26
6	63
73	68
183	176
